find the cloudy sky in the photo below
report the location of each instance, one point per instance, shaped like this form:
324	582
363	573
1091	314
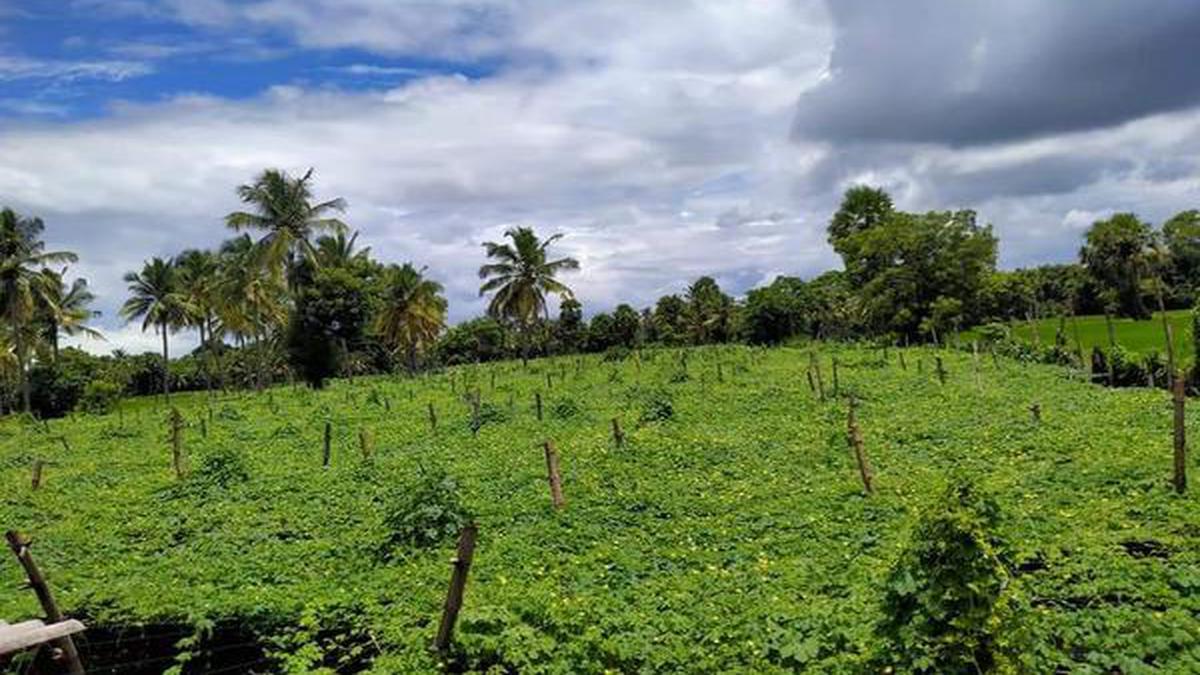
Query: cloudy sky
667	139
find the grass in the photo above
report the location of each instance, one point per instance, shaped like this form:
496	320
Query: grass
730	534
1144	337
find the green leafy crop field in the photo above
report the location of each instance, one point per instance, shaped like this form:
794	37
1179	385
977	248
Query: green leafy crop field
730	533
1144	337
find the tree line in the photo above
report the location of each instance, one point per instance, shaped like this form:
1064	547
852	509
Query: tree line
292	295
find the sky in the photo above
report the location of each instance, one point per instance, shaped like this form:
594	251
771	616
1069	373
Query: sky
666	139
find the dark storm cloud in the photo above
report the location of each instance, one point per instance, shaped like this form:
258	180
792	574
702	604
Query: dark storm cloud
1042	176
962	73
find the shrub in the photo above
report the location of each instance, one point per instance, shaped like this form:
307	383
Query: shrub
948	606
222	467
657	406
489	413
425	513
100	397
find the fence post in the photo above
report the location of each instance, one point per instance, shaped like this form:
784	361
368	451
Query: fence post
1180	397
815	366
432	418
835	377
941	371
1036	411
618	435
903	365
36	480
458	584
20	548
556	494
854	435
177	442
537	399
328	440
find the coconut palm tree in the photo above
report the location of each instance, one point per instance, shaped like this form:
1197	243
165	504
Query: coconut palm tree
157	297
413	313
252	305
68	312
198	279
521	277
337	250
282	208
23	286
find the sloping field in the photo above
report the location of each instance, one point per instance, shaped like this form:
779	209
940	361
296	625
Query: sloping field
730	533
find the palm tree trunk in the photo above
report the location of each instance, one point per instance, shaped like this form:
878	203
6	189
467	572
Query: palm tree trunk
166	364
22	372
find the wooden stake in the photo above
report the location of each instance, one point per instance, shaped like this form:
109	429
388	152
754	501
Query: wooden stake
815	366
854	435
328	440
66	646
903	365
941	371
177	442
1035	410
36	481
618	435
1180	399
811	387
461	567
975	362
556	495
432	418
537	399
835	377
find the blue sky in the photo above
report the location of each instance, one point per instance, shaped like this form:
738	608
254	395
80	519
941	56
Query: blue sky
666	140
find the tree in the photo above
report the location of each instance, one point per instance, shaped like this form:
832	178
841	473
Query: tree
24	288
283	209
774	313
521	277
863	208
626	326
331	312
199	280
337	250
903	263
250	304
413	312
709	312
1181	235
1116	255
670	324
68	311
570	333
158	299
474	341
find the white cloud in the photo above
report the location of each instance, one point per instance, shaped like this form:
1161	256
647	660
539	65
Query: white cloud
22	68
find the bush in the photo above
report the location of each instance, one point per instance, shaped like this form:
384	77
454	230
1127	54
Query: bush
424	514
657	406
100	397
948	606
222	467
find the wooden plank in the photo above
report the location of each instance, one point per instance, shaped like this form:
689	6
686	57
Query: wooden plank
24	635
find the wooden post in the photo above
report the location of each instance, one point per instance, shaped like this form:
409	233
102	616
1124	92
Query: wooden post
854	435
177	442
903	365
549	381
461	567
815	366
328	440
537	399
720	373
65	645
618	435
811	387
556	495
203	427
941	370
835	377
475	414
1035	411
364	443
1180	399
36	480
493	379
975	362
432	418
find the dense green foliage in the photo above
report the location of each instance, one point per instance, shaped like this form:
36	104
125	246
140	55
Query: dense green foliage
730	533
